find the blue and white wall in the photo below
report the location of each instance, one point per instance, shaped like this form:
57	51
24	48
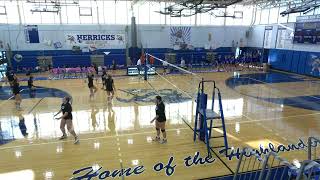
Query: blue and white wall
155	38
297	58
256	39
150	36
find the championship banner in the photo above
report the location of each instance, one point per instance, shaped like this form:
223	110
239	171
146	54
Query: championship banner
267	37
180	38
31	34
95	40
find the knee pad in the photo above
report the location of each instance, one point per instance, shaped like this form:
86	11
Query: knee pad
163	130
157	129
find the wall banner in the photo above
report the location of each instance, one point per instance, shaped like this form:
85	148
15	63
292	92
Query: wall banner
180	38
95	40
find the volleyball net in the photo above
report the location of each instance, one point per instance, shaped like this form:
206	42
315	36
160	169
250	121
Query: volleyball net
168	75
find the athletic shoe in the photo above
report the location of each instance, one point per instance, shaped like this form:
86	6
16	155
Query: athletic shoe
76	140
19	108
156	139
63	137
163	141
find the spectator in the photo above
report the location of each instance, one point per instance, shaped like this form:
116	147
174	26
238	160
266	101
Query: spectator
114	65
183	63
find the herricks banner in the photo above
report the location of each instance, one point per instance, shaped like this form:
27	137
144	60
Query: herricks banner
98	40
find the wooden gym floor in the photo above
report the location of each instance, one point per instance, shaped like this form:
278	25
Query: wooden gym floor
259	109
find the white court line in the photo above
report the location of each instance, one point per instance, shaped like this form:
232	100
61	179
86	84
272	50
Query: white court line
274	87
4	101
87	139
247	117
266	119
105	137
309	78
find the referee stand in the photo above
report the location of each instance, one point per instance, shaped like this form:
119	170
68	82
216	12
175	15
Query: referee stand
204	120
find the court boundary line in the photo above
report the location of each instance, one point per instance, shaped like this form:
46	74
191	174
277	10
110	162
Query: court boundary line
267	119
273	87
86	139
312	78
12	96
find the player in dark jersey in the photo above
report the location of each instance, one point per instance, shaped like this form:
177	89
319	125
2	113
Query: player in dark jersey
92	88
30	83
103	77
16	92
160	120
32	88
10	76
66	119
114	66
110	88
95	69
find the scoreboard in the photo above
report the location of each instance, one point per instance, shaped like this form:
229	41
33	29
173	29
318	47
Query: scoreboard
307	30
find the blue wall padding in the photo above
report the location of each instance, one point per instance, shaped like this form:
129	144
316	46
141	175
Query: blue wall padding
301	62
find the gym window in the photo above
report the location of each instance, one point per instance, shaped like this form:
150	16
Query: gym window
3	10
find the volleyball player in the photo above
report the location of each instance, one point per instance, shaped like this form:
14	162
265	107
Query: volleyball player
92	88
114	66
10	76
103	77
66	119
32	88
160	120
95	67
30	83
110	88
16	92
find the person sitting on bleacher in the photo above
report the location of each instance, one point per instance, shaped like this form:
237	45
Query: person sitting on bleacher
114	65
151	60
142	58
99	70
165	66
37	68
139	65
183	63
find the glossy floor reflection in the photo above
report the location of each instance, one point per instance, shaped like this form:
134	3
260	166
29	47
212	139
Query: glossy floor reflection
259	108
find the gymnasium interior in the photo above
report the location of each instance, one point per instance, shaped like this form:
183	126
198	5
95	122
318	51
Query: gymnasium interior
239	81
